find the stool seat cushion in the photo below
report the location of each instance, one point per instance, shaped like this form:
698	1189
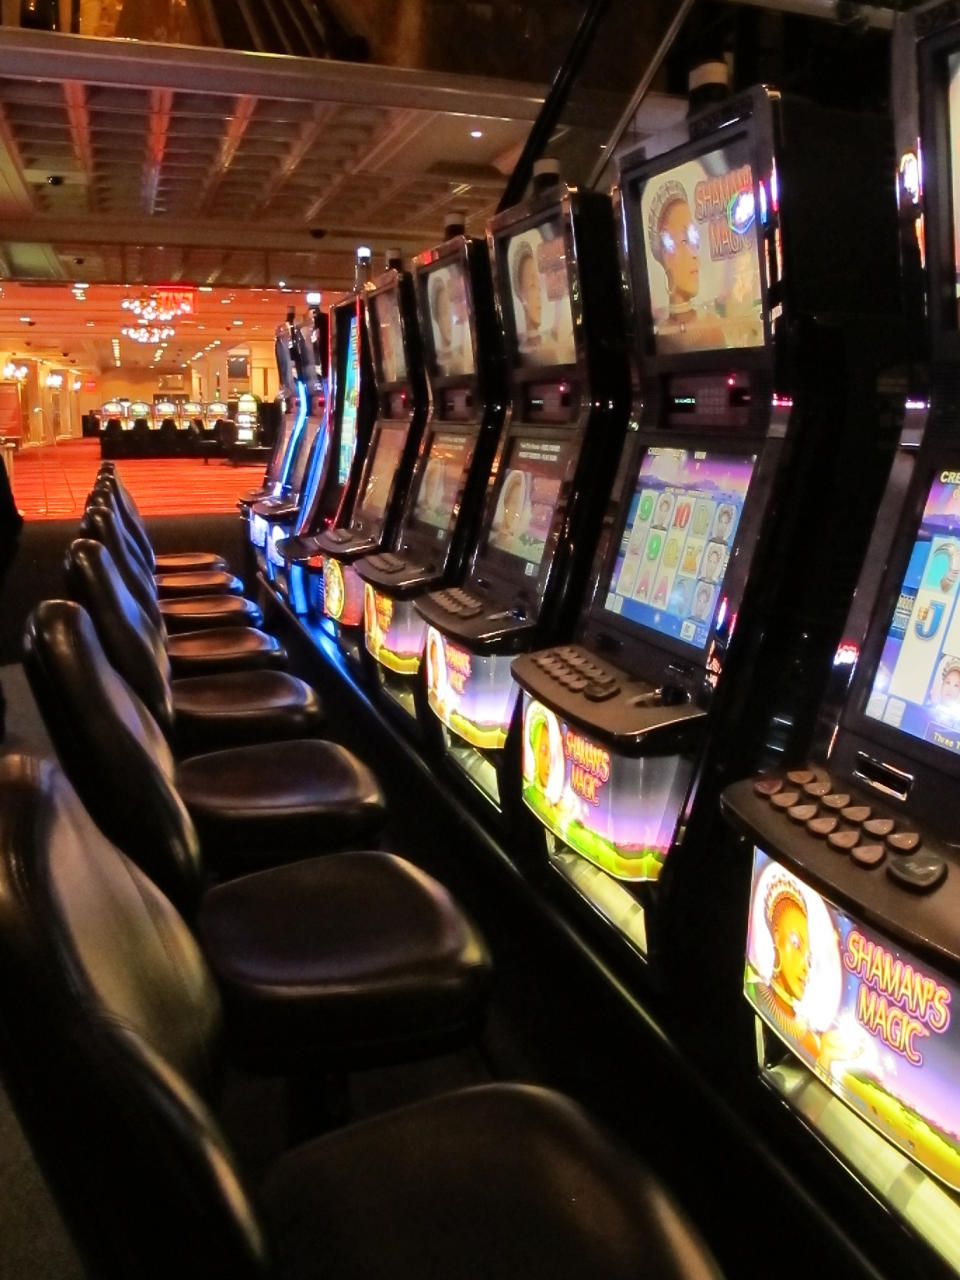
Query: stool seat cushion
209	611
498	1180
253	806
187	562
204	582
347	957
242	707
223	649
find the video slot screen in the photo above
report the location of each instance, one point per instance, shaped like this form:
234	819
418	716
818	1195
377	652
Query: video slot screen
953	133
351	399
382	471
443	477
536	262
681	526
532	474
385	313
916	686
299	468
699	229
449	311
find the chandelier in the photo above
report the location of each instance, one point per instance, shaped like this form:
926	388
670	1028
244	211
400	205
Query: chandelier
162	305
147	334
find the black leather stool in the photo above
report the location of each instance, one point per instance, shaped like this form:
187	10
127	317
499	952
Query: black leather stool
169	562
111	1037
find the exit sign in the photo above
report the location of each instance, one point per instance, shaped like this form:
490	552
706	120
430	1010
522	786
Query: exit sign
175	300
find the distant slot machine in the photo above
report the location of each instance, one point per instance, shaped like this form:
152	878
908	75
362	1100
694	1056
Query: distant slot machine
853	946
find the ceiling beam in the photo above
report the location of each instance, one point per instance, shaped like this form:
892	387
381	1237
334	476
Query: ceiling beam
236	126
402	127
78	117
161	109
323	115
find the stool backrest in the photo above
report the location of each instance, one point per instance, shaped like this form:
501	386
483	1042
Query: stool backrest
111	748
130	514
101	522
110	1037
134	646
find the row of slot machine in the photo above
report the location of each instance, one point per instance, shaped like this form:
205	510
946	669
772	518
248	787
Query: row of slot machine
169	426
598	561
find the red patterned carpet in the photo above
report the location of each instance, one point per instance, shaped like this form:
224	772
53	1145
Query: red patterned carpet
52	482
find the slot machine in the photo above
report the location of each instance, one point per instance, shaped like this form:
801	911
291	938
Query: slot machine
165	422
281	458
245	420
140	416
557	284
440	518
214	413
734	531
351	406
191	422
371	520
852	963
112	426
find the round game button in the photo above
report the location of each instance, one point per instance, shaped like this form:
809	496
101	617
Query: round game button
768	786
922	874
785	799
802	812
817	788
904	841
824	825
857	812
843	840
879	827
838	800
800	777
868	855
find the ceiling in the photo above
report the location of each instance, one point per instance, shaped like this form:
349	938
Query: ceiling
124	162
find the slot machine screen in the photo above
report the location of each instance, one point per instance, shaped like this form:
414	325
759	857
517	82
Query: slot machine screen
916	686
449	311
536	261
351	397
385	313
953	136
443	476
680	529
299	468
384	464
698	223
532	474
284	363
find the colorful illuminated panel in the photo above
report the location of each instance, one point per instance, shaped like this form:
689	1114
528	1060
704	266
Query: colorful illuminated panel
447	462
351	400
916	688
472	694
394	632
618	812
537	263
342	593
680	528
872	1021
381	471
703	267
528	494
450	321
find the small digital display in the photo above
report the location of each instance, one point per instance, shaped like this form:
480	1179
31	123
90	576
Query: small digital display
680	528
449	312
351	400
385	313
699	229
532	472
447	462
382	470
916	687
540	293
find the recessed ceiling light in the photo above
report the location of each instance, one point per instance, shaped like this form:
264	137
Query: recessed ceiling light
238	322
282	284
24	319
205	288
476	133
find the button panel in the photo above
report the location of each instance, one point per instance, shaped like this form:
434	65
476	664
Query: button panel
460	603
851	827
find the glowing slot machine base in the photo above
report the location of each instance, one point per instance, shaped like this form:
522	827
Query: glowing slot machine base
856	1036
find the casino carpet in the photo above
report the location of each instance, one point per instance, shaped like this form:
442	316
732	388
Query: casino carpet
51	482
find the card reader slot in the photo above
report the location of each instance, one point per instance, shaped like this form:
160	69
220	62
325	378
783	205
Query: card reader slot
883	777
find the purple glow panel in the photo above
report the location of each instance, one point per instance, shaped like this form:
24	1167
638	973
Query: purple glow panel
393	632
873	1022
472	694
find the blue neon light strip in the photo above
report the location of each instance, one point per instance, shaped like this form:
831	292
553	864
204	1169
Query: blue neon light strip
295	439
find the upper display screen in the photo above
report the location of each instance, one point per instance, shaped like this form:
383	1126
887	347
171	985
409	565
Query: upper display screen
537	263
676	543
916	687
533	470
703	266
351	397
383	468
447	462
450	321
385	310
953	129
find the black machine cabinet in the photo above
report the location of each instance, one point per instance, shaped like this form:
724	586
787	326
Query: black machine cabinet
557	287
852	943
440	518
370	518
756	454
350	415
